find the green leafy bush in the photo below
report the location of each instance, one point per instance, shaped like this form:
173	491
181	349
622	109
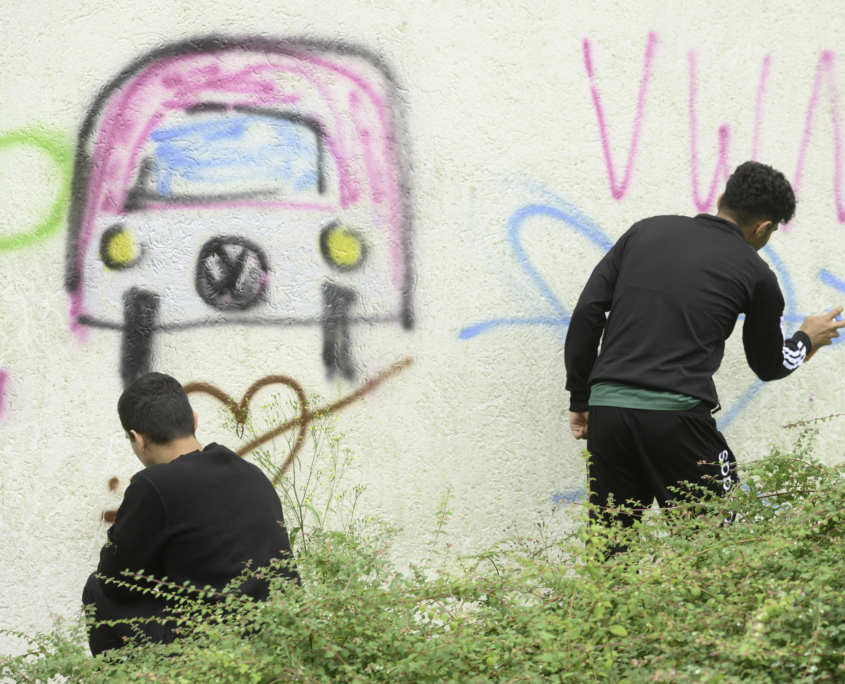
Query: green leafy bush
692	600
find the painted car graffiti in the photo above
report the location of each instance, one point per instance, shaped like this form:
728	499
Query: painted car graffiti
242	182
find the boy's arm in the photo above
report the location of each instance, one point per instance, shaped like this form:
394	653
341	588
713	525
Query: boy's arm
769	354
135	540
586	327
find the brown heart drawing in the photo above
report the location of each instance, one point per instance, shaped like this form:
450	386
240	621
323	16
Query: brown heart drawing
240	411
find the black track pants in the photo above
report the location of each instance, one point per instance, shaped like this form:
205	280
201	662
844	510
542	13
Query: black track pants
636	455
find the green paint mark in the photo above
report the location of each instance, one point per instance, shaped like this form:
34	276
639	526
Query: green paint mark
57	148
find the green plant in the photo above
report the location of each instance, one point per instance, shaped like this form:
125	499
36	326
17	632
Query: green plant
315	495
692	600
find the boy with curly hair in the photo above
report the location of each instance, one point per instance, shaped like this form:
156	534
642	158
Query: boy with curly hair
675	287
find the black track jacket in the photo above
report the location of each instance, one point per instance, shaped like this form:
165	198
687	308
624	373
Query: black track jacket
674	287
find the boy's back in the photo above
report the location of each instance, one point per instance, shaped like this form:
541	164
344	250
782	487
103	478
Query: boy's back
198	519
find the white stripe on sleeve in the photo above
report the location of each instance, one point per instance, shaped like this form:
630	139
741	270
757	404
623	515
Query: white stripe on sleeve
794	358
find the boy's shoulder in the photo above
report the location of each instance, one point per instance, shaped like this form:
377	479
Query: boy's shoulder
196	464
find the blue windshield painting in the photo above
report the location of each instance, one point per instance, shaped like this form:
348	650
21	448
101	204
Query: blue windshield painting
236	154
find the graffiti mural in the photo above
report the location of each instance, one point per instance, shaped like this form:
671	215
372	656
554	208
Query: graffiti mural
567	497
618	189
307	413
4	381
242	182
57	150
823	80
581	227
571	218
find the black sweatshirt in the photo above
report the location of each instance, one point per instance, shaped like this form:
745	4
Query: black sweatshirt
674	287
196	520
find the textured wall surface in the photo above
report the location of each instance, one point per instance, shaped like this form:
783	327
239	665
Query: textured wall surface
390	206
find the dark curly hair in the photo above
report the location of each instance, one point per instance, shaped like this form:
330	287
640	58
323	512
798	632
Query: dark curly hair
756	191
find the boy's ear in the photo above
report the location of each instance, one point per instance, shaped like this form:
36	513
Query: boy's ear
762	228
196	421
139	439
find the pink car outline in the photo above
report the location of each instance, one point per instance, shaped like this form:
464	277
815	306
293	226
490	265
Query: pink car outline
337	100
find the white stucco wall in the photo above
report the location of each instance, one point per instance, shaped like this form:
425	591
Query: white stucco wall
502	144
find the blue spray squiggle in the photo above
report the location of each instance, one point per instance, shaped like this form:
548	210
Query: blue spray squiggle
790	315
829	279
568	215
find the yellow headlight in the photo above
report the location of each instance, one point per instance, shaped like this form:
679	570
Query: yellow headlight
342	247
118	248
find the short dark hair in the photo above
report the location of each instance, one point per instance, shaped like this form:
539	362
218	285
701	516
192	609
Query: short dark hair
156	406
756	191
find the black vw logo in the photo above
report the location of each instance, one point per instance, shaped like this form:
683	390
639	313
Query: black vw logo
231	273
